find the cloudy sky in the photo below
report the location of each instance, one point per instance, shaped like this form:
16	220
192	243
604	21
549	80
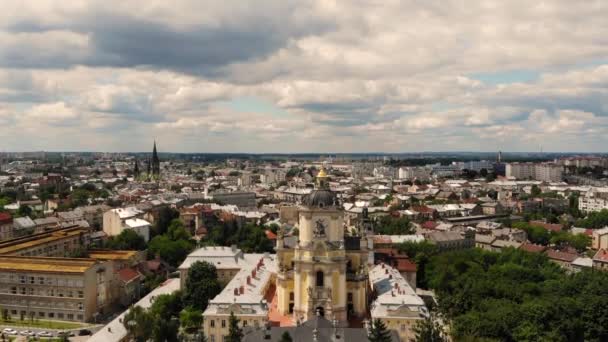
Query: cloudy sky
304	76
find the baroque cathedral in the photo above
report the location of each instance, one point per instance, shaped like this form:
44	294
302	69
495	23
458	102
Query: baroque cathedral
326	273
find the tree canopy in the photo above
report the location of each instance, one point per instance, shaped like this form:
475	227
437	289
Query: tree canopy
201	285
128	239
518	296
235	332
379	332
389	225
174	245
597	219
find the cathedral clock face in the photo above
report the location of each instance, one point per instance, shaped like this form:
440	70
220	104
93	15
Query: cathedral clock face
320	227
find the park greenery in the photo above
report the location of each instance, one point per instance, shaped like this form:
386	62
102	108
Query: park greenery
128	239
539	235
172	246
390	225
517	296
597	219
248	237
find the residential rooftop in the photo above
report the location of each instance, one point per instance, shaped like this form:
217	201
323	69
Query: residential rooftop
44	264
15	245
102	254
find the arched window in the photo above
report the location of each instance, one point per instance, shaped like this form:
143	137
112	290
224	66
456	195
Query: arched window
320	279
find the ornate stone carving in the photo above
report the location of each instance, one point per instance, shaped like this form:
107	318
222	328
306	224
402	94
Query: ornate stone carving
320	227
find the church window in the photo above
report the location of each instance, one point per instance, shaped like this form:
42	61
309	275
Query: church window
320	279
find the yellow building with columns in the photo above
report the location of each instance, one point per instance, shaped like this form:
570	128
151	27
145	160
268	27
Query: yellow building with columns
326	272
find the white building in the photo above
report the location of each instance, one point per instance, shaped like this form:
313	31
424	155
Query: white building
520	170
248	278
594	200
547	172
397	305
414	173
117	220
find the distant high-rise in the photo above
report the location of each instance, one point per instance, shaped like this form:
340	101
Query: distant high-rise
499	160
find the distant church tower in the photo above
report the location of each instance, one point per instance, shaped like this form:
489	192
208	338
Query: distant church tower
155	162
136	169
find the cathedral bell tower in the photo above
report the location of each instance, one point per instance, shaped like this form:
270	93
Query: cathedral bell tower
325	273
319	257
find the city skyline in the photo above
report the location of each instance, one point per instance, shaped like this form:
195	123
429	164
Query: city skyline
303	77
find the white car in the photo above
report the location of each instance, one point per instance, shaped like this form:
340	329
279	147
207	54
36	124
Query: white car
27	333
9	331
44	334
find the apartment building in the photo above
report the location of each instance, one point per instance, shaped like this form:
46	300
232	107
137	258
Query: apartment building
593	200
420	173
520	170
54	288
546	172
55	243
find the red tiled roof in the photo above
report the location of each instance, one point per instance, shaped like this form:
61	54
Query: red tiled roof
423	209
601	255
406	265
429	225
532	248
387	251
556	227
128	274
561	256
6	218
381	240
270	235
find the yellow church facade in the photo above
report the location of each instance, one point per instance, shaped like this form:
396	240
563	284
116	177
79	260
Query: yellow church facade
326	272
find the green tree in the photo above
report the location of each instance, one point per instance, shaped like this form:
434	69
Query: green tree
167	305
201	285
535	191
191	319
165	330
379	332
286	337
139	324
172	251
24	210
389	225
429	330
165	216
235	333
128	239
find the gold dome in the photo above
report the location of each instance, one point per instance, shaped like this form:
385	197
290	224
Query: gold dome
322	173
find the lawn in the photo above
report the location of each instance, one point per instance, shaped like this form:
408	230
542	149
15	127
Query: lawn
41	324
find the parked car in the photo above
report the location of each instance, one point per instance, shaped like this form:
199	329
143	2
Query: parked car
9	331
27	333
84	332
44	334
